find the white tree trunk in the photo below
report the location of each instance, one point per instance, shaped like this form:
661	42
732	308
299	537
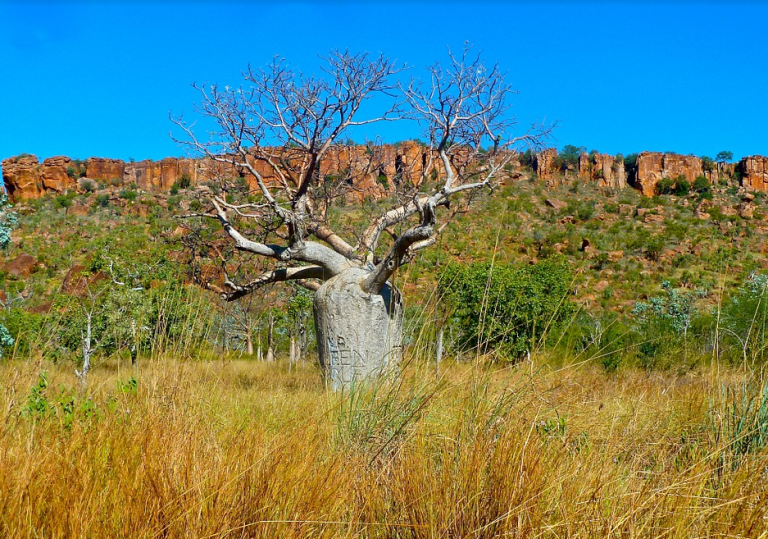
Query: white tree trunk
292	353
359	335
249	343
270	342
439	354
87	350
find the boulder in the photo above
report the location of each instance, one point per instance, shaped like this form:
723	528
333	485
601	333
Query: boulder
79	280
22	266
557	205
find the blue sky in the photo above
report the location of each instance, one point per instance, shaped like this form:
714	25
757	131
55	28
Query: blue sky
100	78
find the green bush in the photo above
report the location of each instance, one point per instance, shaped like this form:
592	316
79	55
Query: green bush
87	185
128	194
504	308
700	184
102	200
682	187
182	183
665	186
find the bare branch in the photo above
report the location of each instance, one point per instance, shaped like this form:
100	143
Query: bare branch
278	275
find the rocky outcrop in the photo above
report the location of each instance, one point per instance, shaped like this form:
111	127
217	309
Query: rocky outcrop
754	172
545	163
79	281
99	168
604	169
370	171
21	176
719	171
653	166
21	266
57	174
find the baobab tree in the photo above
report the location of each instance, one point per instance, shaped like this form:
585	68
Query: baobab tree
281	127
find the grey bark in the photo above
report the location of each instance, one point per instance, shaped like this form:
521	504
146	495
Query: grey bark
359	334
439	357
270	337
88	349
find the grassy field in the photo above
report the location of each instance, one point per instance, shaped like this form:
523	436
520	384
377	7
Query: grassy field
233	448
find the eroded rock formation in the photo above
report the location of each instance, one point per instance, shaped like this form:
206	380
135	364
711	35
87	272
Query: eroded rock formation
653	166
545	163
604	169
371	171
754	172
21	176
104	169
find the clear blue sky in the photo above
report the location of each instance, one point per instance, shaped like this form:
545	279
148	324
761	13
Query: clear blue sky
99	78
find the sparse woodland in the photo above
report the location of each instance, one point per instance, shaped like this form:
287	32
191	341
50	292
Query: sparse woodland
573	360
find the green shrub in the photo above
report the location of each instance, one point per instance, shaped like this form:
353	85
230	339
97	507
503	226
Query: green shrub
700	184
102	200
665	186
128	194
62	201
682	187
507	308
87	185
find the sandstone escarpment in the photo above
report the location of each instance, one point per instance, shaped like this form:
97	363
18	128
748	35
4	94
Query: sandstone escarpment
370	171
104	169
653	166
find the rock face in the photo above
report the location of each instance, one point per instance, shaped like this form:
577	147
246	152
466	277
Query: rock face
754	172
604	169
21	266
545	163
21	176
99	168
371	171
359	335
55	174
653	166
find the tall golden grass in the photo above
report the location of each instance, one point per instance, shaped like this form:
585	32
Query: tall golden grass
233	448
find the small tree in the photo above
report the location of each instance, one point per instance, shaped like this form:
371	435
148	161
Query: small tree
283	127
724	157
568	157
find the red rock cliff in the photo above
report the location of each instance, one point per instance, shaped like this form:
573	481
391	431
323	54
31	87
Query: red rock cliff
754	172
604	169
653	166
21	176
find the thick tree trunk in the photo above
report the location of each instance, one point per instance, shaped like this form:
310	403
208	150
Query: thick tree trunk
359	335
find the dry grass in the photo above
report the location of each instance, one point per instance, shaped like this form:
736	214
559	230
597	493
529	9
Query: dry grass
242	449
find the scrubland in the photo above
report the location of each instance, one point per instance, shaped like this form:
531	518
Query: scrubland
226	447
